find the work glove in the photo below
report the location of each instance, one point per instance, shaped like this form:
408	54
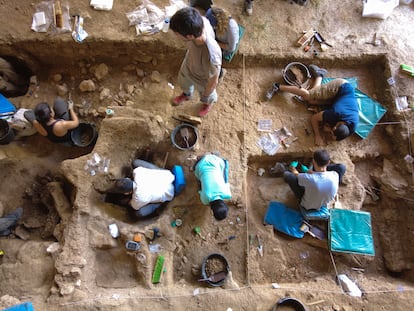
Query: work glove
70	105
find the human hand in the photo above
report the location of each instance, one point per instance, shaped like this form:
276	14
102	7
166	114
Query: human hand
70	105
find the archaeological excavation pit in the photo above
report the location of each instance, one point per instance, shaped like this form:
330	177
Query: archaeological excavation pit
65	212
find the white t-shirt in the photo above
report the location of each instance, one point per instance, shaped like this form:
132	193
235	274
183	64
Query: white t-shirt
152	186
320	188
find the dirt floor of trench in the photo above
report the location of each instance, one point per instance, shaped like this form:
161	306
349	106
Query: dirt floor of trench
64	229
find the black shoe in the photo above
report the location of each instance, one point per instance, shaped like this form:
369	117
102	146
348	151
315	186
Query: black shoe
316	72
272	91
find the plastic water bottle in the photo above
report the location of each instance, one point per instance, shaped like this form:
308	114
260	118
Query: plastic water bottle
166	25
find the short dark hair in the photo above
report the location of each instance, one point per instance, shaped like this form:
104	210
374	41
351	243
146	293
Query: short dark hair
187	21
42	112
341	132
220	209
321	157
123	185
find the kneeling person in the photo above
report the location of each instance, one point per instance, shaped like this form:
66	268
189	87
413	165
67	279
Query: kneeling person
212	172
317	187
150	188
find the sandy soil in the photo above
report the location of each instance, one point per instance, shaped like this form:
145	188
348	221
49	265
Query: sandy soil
86	269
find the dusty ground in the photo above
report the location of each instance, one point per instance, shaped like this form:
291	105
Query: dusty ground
90	270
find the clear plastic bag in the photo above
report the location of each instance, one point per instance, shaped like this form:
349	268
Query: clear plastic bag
43	16
147	18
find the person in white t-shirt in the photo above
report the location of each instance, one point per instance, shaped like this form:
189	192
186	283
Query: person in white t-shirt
319	186
150	187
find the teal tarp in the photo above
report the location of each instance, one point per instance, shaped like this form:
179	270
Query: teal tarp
230	56
370	111
350	232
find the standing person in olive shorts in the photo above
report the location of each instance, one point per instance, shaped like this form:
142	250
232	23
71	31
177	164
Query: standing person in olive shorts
202	62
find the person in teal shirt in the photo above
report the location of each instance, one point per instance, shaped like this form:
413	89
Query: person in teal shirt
212	171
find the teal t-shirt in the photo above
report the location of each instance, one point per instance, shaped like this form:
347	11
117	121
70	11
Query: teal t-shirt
212	171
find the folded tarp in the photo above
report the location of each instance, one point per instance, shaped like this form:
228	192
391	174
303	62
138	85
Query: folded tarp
351	232
284	219
313	214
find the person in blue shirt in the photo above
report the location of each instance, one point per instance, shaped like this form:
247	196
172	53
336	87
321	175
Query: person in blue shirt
341	118
212	171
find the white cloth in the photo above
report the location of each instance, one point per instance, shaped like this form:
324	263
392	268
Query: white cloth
152	186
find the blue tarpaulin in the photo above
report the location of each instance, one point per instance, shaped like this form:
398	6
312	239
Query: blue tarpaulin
6	107
284	219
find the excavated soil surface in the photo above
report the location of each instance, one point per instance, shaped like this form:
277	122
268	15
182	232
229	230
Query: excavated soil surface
61	255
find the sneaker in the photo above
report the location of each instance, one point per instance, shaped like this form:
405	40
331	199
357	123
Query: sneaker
222	75
249	7
272	91
204	110
180	99
316	72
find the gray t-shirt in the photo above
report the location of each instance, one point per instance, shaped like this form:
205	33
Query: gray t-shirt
320	188
231	36
203	61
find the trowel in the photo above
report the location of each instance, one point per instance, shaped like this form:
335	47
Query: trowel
185	135
217	277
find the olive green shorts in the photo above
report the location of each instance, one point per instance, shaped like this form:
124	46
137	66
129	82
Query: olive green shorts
327	90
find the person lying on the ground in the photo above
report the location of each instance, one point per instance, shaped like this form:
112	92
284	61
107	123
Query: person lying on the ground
7	222
319	185
225	28
341	118
212	172
144	194
55	123
201	66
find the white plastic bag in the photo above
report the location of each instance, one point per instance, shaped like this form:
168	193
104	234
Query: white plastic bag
379	8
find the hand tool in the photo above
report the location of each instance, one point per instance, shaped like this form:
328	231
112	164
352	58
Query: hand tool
260	247
217	277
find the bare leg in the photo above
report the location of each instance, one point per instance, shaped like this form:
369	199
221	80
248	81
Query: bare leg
304	93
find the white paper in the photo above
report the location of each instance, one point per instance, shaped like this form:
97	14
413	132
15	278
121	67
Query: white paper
105	5
379	8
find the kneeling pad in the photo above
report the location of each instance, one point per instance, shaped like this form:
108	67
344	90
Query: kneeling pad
314	214
284	219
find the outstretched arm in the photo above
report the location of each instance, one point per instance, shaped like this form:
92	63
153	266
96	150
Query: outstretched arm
315	120
62	127
39	128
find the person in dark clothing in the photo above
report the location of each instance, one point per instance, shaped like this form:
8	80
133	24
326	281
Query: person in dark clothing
202	4
55	123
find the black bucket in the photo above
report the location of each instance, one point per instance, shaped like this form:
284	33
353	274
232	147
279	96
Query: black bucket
6	132
85	135
220	264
